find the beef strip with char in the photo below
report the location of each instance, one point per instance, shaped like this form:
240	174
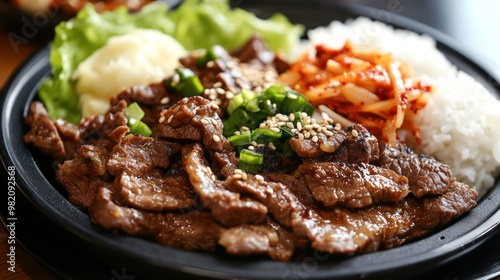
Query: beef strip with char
195	230
43	133
426	175
140	164
338	184
353	144
105	130
229	208
83	175
138	154
348	231
267	239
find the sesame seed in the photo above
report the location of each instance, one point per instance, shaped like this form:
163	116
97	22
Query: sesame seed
269	191
238	171
175	80
244	176
204	121
229	95
271	145
237	132
261	145
291	117
301	136
292	96
170	119
216	138
220	91
214	122
299	126
315	138
328	133
214	106
245	128
253	143
326	148
259	177
354	133
282	118
213	177
210	64
289	124
237	176
275	129
308	127
165	100
251	148
162	119
338	127
217	85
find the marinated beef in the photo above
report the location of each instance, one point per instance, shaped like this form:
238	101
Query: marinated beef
339	184
43	132
192	231
268	239
83	175
426	175
227	207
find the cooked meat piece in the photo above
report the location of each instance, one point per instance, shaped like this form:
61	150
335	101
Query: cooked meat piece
83	175
304	222
426	175
152	99
193	231
275	161
69	135
140	164
440	210
155	191
307	148
361	145
43	134
138	155
194	118
353	144
228	75
255	48
105	131
227	207
353	185
269	239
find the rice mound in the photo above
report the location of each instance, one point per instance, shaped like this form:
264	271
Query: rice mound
460	124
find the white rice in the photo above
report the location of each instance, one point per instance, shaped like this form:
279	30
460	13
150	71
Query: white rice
460	125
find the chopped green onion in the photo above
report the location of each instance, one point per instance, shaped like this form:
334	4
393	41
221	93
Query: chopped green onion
206	56
138	127
250	168
250	161
242	139
185	82
265	135
134	111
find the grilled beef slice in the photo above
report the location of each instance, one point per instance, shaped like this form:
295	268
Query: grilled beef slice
338	184
426	175
43	133
228	207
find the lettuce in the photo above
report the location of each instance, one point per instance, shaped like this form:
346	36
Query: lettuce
195	24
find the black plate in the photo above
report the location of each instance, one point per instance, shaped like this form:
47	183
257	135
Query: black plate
150	260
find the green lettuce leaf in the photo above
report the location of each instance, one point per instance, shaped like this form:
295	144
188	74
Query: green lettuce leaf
195	24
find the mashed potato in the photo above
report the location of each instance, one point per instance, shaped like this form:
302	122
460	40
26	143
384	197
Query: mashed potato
140	57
